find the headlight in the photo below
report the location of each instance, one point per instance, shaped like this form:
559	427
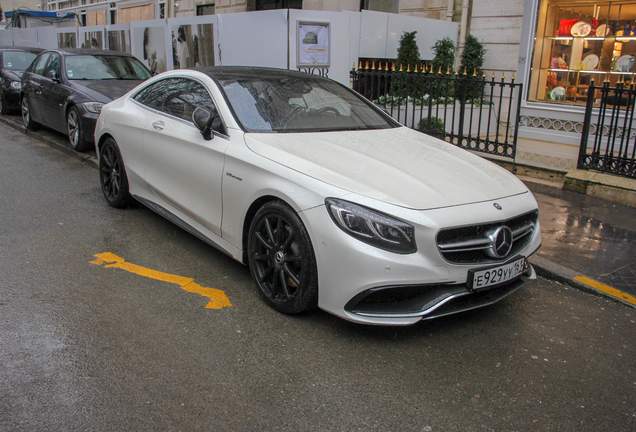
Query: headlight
16	85
372	227
94	107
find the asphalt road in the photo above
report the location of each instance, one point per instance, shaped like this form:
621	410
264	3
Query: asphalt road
85	345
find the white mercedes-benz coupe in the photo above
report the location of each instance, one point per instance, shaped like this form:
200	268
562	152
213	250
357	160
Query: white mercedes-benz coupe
329	201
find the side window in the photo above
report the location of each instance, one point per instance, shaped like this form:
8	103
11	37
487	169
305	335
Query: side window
179	97
40	63
54	65
153	95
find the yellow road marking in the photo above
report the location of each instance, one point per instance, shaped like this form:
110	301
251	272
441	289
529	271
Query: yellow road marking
607	289
218	299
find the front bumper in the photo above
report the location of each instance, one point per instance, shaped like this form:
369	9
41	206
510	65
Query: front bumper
11	98
364	284
88	122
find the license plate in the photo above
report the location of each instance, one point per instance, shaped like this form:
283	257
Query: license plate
479	279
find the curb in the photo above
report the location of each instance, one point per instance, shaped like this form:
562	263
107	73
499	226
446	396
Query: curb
543	267
52	141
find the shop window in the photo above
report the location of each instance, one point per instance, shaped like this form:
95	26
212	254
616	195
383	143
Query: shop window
578	42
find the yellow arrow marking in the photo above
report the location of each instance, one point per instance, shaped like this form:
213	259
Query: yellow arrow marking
218	299
606	289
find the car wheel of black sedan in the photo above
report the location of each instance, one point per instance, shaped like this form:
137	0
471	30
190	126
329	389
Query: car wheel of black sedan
281	259
26	115
75	132
112	175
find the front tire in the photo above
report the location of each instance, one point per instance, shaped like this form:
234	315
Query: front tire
112	175
74	129
281	259
26	115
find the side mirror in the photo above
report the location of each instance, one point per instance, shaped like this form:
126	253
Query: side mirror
53	75
203	119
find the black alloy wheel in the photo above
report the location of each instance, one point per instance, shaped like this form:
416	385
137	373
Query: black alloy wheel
282	260
112	175
74	129
26	114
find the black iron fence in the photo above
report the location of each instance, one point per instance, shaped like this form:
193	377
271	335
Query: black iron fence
608	140
467	110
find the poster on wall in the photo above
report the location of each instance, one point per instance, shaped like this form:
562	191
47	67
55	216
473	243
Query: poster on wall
119	40
5	38
192	45
67	39
93	38
314	44
149	42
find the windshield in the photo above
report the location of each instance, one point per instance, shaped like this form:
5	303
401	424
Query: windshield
17	60
104	67
299	104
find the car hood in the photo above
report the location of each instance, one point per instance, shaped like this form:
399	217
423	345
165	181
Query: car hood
13	75
106	90
398	166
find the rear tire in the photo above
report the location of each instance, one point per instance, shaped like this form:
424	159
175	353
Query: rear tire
112	175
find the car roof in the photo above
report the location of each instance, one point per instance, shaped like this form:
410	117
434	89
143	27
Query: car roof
87	51
21	48
243	72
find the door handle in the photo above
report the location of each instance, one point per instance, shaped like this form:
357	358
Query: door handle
159	125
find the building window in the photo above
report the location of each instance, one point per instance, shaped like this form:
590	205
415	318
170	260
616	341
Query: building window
162	10
577	42
259	5
391	6
206	9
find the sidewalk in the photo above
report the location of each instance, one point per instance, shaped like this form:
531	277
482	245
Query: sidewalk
587	242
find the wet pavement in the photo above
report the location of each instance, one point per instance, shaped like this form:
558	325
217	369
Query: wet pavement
591	237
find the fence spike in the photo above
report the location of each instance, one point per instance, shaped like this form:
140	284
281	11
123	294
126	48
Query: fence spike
401	70
360	66
513	76
440	69
475	73
465	71
493	74
503	76
393	64
484	75
448	70
408	68
373	65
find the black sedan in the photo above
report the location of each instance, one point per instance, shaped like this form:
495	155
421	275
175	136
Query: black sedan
65	89
13	62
